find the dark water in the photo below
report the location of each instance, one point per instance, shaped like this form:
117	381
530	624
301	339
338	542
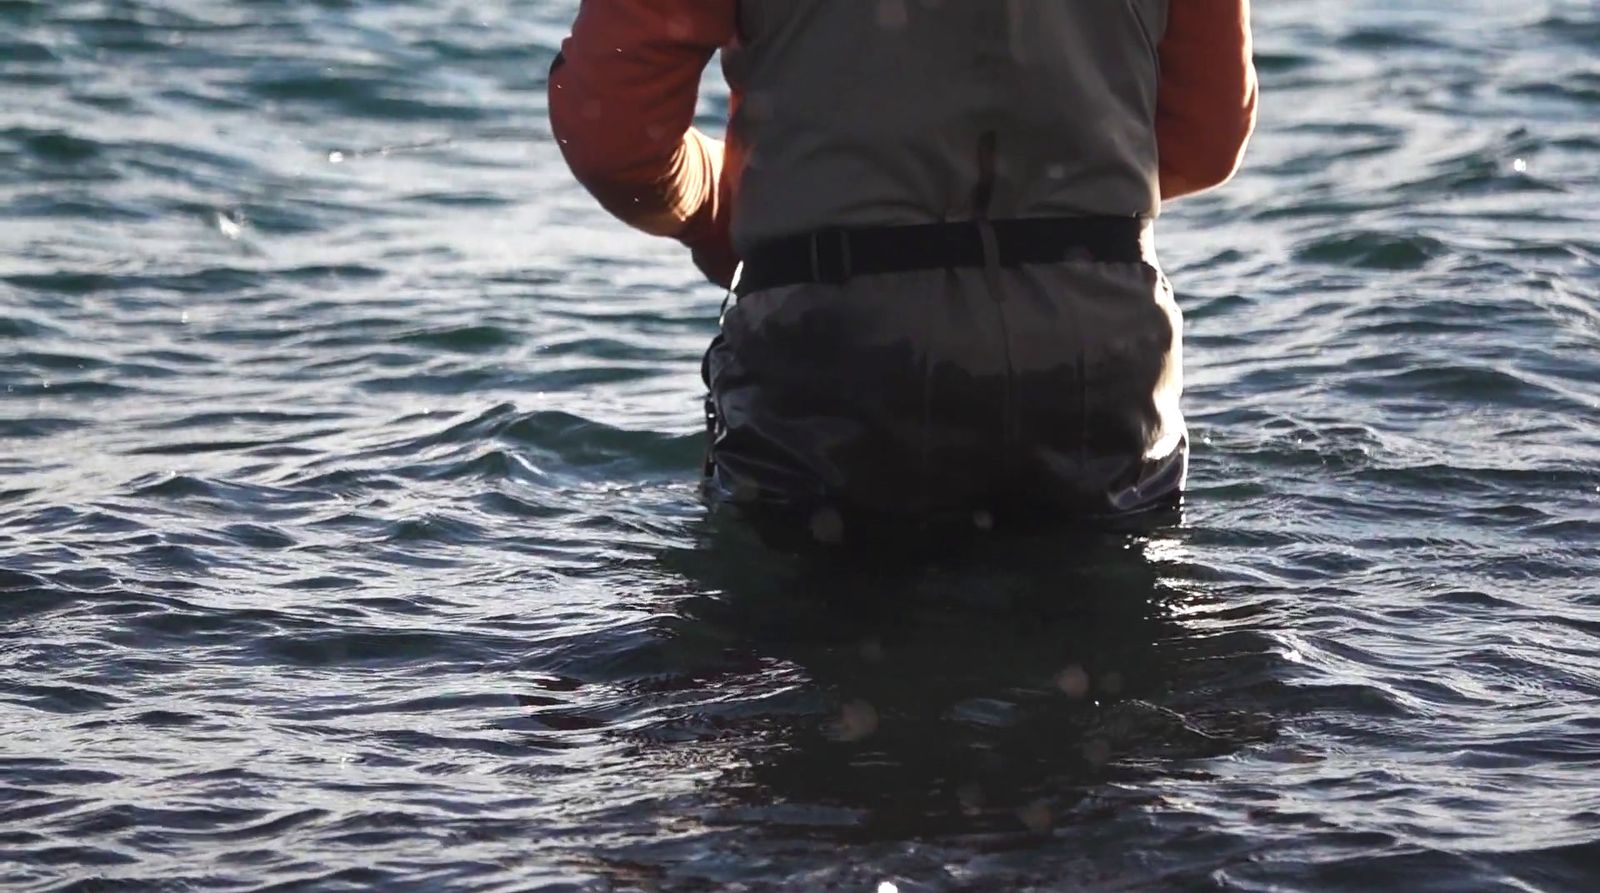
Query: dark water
348	535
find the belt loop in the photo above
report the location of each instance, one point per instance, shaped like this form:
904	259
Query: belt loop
990	243
823	269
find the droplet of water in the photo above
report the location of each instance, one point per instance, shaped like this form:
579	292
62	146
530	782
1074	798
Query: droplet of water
335	157
1520	165
1073	682
857	720
888	887
1036	817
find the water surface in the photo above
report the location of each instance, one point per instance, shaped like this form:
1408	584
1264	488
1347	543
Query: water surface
349	536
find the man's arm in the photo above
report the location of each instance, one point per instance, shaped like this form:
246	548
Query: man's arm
1206	107
622	98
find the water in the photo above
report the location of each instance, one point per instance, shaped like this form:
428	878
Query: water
349	537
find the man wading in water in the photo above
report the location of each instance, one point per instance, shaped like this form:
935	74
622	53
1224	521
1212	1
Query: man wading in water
949	302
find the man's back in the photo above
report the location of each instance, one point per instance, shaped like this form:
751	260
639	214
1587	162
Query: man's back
949	298
896	112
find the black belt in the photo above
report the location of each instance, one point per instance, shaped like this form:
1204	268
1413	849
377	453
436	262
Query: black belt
833	256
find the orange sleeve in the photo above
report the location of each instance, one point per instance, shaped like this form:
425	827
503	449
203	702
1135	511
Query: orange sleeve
622	98
1206	106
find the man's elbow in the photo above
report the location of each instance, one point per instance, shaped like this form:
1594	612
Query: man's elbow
1237	135
1209	155
596	153
1223	159
626	177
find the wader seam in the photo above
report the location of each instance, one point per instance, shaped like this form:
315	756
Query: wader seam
983	195
995	63
1008	409
1082	370
926	446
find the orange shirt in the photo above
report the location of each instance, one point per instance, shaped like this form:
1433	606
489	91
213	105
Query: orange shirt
1206	107
623	93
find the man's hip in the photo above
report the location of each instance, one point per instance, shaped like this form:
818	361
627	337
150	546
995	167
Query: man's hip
1038	387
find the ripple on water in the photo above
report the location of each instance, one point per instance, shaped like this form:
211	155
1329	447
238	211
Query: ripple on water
1374	250
349	533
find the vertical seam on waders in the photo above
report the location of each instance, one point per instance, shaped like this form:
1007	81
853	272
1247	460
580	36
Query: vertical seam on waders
926	451
983	195
995	58
1082	370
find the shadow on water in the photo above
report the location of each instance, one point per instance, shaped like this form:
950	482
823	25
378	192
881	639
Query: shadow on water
983	696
